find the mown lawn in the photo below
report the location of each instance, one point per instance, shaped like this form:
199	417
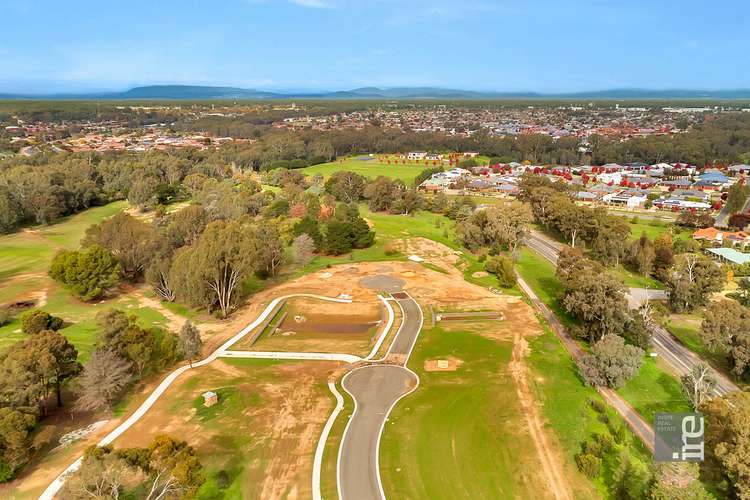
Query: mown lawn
370	168
462	433
653	390
654	229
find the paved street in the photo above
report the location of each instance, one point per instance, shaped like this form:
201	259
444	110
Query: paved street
375	389
680	358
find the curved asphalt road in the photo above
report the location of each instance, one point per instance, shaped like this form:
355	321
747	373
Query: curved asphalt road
375	389
679	357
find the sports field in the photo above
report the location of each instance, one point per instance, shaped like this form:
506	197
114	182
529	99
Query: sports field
372	168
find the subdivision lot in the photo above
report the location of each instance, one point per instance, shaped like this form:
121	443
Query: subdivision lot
312	325
262	432
463	433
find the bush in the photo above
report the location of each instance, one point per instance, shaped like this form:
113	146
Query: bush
605	441
222	479
619	433
597	406
502	267
36	320
589	465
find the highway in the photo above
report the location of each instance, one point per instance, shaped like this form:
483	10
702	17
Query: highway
680	358
376	388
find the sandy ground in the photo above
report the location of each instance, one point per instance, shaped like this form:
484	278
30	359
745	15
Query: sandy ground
295	417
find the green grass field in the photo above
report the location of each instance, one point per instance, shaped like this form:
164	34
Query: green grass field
24	259
565	405
461	434
654	229
370	168
653	390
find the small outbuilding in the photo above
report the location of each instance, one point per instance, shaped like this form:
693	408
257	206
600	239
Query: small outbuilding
210	398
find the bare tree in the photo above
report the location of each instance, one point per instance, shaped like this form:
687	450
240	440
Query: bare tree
303	249
99	477
104	377
698	384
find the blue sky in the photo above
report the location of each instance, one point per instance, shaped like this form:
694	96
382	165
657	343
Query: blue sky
544	45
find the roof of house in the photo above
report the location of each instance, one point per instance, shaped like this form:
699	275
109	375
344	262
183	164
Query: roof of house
209	394
731	255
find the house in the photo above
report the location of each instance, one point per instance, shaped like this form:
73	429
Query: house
433	157
740	169
470	154
719	237
629	198
729	255
210	398
416	155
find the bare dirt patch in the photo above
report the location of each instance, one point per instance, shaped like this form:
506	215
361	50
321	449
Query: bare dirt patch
449	364
547	450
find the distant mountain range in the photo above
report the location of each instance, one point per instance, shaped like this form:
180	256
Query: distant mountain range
198	92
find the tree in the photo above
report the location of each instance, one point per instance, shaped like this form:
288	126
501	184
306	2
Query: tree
308	225
677	481
728	440
132	241
104	377
303	249
88	273
168	468
502	267
726	329
36	320
737	197
362	236
610	241
698	384
692	281
338	237
158	276
174	469
382	193
503	226
31	369
346	186
599	301
612	362
190	341
590	465
223	257
15	441
101	475
186	225
642	255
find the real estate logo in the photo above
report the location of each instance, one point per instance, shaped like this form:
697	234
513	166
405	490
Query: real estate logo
678	437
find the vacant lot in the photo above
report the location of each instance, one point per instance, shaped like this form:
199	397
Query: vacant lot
371	168
312	325
464	432
262	433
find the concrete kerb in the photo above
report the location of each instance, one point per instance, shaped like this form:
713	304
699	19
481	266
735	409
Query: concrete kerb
54	487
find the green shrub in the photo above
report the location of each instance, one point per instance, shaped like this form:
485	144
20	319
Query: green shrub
36	320
589	465
605	441
597	405
502	267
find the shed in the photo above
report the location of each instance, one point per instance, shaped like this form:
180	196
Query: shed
210	398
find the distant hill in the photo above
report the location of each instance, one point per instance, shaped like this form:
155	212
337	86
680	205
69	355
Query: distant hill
199	92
